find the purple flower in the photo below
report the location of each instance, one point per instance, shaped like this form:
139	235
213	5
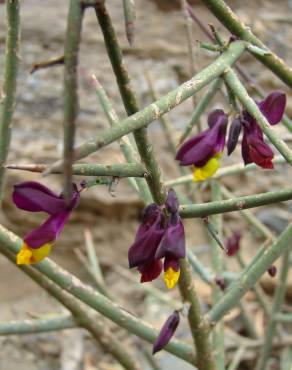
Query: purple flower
233	243
34	197
142	252
253	148
159	237
204	150
167	331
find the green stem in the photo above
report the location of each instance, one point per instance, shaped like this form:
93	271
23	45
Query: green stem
236	358
85	293
247	321
239	90
129	152
217	267
249	278
84	169
71	103
199	329
230	20
131	104
201	107
278	299
95	325
59	322
130	16
163	105
235	204
8	93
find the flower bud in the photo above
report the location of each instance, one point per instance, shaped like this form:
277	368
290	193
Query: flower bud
272	271
233	135
233	243
167	331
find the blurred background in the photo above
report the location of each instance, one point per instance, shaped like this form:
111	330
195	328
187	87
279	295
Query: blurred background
160	48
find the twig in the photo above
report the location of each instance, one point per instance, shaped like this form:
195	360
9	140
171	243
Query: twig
248	279
235	204
230	20
16	327
130	16
237	358
8	93
72	41
278	299
47	64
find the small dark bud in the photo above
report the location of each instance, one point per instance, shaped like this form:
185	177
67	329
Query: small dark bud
167	331
272	271
233	135
232	38
233	243
219	280
172	202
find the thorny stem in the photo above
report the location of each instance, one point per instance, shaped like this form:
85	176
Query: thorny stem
234	204
85	169
163	105
278	299
72	41
239	90
218	266
251	276
71	284
230	20
8	93
95	325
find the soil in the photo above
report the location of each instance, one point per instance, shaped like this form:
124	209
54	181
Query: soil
161	48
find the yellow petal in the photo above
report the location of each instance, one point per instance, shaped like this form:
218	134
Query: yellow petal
171	277
203	173
28	255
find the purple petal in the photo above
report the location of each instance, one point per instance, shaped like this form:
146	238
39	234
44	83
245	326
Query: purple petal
172	202
34	197
233	135
189	144
216	116
245	151
173	242
273	107
167	331
148	237
169	261
48	231
260	152
150	271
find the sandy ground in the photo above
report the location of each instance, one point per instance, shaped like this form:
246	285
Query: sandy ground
161	48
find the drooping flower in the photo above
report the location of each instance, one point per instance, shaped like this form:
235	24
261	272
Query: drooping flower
253	148
172	247
159	236
233	243
34	197
142	252
167	331
204	150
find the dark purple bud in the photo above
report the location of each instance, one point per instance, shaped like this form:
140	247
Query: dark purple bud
172	202
272	271
219	280
273	107
173	241
233	243
167	331
233	135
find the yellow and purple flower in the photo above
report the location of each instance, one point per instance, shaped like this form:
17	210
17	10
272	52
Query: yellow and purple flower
34	197
167	331
159	236
204	150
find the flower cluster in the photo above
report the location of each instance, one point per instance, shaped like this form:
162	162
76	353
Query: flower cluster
34	197
204	150
160	235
